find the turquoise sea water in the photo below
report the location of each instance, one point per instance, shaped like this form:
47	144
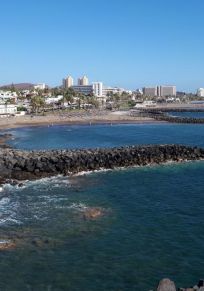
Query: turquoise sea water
152	223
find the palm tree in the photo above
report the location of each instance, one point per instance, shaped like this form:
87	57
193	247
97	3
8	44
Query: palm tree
68	96
37	102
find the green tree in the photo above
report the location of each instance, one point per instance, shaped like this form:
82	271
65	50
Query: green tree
37	104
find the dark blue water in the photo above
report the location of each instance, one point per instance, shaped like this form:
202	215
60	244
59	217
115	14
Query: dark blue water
188	114
106	135
151	227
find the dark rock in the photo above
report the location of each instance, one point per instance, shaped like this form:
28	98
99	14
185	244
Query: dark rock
161	115
201	283
29	165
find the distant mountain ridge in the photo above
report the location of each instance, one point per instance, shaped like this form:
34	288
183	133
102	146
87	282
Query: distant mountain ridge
19	86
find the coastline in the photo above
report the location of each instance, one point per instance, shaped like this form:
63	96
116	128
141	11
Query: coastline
57	119
89	117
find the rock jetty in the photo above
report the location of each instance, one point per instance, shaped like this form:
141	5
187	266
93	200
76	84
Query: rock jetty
163	115
28	165
177	119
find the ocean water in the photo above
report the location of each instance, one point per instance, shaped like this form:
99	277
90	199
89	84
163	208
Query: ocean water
151	227
77	136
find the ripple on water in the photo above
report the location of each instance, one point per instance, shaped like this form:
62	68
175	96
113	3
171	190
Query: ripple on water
8	211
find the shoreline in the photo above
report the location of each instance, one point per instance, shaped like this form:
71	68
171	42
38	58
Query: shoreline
52	122
90	117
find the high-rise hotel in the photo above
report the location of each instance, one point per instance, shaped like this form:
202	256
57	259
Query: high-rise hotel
160	91
67	82
84	81
83	87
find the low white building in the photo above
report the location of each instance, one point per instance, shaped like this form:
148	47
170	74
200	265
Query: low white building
8	109
40	86
113	90
8	95
53	100
146	104
200	92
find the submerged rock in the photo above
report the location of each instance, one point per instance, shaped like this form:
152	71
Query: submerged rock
6	245
93	213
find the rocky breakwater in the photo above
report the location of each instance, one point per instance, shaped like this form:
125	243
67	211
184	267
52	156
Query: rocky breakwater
161	115
22	165
177	119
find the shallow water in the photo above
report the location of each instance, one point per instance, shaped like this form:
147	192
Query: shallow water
151	227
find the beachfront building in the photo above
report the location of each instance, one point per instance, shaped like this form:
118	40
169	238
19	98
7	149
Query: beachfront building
160	91
98	89
8	96
83	89
67	82
40	86
150	91
8	109
112	90
165	91
53	100
200	92
84	81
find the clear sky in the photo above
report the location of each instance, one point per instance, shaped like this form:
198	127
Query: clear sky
127	43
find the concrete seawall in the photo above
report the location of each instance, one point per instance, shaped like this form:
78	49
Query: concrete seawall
21	165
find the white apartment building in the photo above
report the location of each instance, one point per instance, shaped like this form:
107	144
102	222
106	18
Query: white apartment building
200	92
85	90
40	86
9	109
7	96
97	89
113	90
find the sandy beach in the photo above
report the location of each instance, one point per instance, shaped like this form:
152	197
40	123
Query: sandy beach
72	117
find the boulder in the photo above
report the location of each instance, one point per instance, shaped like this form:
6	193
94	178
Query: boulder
201	283
166	285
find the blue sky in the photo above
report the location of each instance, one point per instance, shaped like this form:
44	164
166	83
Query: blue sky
127	43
